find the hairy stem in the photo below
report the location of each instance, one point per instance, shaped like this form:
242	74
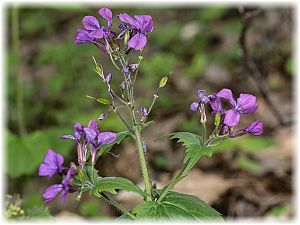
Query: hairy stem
173	182
139	143
117	205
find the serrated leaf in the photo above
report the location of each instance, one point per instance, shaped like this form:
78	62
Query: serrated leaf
120	136
111	184
176	206
194	148
163	81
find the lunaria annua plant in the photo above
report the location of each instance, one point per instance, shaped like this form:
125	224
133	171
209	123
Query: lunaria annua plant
82	177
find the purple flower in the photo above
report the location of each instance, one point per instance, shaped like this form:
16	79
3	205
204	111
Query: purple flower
255	128
141	26
52	164
215	103
245	104
51	192
78	133
93	32
91	132
202	99
144	111
102	138
194	106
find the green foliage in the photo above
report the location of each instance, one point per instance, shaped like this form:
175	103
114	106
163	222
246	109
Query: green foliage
24	154
111	184
177	206
33	201
289	66
90	208
38	212
247	143
211	13
281	210
161	161
197	66
247	164
152	68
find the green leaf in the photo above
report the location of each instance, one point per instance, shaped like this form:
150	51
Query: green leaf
25	154
163	82
120	136
100	100
194	148
103	101
38	212
281	210
111	184
177	206
90	208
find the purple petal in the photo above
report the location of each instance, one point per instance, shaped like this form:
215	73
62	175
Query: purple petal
138	41
106	138
99	33
124	17
194	106
106	14
232	118
52	164
78	131
51	192
90	135
255	128
227	94
46	170
215	103
145	23
90	23
246	103
68	177
93	125
67	137
82	37
64	194
201	93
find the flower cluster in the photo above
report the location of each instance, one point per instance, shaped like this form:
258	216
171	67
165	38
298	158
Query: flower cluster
132	30
229	119
89	137
86	138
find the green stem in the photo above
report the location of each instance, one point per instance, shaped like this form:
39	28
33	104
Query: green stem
19	89
117	205
173	182
153	102
140	148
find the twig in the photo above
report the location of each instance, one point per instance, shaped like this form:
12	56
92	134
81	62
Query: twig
252	68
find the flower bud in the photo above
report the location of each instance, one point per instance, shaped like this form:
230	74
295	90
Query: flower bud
255	128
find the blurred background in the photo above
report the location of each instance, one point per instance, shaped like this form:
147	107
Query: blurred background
48	78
